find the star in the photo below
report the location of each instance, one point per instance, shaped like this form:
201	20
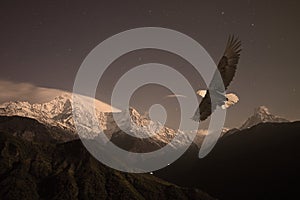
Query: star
252	24
222	13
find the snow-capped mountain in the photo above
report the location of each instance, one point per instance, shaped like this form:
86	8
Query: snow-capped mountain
141	125
261	115
58	113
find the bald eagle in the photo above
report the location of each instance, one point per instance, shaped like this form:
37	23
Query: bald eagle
227	67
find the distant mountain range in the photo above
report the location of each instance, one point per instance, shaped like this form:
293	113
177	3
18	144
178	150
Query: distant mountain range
58	113
42	158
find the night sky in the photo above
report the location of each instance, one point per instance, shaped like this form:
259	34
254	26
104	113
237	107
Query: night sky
45	42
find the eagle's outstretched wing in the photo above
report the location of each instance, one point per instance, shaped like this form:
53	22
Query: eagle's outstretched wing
227	64
227	67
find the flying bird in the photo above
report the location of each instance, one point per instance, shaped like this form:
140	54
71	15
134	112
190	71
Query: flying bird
215	95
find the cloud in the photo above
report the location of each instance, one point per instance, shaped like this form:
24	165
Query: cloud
12	91
174	96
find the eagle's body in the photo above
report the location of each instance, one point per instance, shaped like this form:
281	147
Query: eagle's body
215	95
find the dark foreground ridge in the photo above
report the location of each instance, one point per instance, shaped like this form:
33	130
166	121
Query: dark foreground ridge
32	130
33	170
261	162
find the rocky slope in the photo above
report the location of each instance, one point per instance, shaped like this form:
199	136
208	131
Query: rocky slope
67	171
34	131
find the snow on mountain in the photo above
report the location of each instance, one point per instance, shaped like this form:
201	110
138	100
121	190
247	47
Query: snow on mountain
261	115
141	125
58	112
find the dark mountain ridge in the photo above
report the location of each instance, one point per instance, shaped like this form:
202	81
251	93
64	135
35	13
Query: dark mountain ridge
32	130
261	162
31	170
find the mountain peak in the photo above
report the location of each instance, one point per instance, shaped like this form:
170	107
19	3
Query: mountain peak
262	110
58	113
261	115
